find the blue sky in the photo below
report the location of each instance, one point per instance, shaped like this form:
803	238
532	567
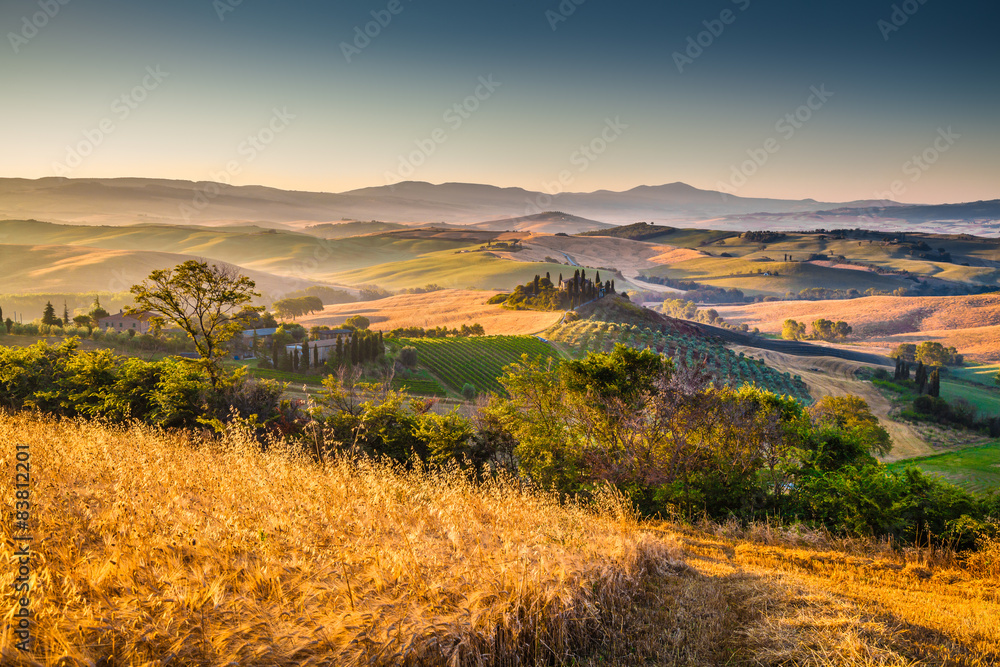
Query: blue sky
718	94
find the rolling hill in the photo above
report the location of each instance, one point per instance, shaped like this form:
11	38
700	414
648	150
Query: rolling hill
36	269
969	323
450	308
550	222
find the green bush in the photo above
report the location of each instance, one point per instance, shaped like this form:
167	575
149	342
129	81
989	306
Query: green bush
61	380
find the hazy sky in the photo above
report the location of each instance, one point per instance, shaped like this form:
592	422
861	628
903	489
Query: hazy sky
575	95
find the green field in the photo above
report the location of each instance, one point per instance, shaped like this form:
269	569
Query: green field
975	469
611	324
986	400
478	361
742	273
984	374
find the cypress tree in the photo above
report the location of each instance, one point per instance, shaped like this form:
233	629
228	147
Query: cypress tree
535	285
354	348
934	384
49	314
921	377
305	356
315	356
274	353
65	315
295	360
612	286
340	350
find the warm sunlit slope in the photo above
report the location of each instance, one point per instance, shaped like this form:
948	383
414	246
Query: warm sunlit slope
970	323
33	269
450	308
477	270
292	254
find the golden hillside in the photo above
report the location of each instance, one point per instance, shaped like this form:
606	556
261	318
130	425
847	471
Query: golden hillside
451	308
969	323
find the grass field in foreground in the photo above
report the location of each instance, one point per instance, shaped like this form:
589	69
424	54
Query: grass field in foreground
975	469
160	546
479	360
157	547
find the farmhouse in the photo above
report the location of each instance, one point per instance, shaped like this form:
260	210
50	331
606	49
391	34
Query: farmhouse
323	348
140	322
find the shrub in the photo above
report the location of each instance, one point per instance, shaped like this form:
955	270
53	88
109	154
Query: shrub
468	391
408	356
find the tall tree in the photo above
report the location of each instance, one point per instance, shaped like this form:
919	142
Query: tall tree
49	314
200	299
934	384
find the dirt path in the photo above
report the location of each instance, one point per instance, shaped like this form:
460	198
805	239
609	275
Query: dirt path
633	277
828	376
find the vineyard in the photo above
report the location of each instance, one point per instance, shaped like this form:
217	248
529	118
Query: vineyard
601	331
478	361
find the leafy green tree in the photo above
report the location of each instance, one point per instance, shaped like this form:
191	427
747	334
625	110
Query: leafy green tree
408	356
200	299
852	416
792	330
358	322
934	354
905	351
823	329
97	311
468	391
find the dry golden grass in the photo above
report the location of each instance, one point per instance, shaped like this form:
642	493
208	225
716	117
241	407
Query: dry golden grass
969	323
153	548
451	308
980	343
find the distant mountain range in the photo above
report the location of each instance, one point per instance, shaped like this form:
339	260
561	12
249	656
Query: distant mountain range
131	200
